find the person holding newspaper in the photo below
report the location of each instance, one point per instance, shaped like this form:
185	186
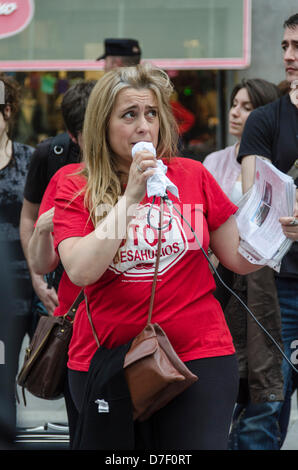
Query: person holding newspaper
271	132
261	381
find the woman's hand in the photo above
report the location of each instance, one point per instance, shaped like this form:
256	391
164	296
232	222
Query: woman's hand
45	221
48	297
142	167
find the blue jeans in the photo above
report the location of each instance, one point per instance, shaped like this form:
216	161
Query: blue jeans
263	426
256	427
288	299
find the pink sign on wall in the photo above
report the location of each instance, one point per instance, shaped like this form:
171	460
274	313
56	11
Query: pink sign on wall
15	16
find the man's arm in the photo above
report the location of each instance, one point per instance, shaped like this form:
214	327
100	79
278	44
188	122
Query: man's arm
248	166
256	140
29	215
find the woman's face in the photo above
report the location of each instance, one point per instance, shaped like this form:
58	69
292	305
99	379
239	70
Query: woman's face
239	112
134	118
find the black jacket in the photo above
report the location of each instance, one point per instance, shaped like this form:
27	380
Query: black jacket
106	421
260	362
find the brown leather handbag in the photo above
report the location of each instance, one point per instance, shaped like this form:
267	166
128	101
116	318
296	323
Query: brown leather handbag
44	369
154	372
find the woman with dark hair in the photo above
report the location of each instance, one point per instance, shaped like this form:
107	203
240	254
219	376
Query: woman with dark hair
260	366
14	161
245	97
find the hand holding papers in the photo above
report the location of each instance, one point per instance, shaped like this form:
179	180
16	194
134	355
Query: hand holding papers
272	196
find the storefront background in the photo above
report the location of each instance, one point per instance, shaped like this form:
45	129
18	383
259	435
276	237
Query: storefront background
196	95
193	40
207	33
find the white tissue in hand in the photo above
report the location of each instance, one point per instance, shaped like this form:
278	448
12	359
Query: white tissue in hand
139	146
158	183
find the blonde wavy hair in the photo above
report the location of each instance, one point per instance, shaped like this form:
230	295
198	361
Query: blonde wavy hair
103	179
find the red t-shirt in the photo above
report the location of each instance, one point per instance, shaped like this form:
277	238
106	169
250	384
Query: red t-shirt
184	305
67	291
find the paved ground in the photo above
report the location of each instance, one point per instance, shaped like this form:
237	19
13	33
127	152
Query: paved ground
38	412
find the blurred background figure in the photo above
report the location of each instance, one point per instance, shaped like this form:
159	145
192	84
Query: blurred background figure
245	97
121	53
7	407
45	163
14	162
49	156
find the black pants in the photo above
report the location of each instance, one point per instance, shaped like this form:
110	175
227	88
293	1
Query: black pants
198	419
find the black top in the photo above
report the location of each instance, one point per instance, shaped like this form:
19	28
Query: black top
44	164
12	181
50	155
106	390
271	131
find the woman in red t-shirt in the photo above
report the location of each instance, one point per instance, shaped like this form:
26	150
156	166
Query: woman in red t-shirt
107	246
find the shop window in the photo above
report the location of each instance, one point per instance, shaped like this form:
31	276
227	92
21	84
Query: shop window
195	105
40	112
196	92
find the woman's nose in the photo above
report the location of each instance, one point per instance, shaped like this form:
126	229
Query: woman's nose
142	124
235	111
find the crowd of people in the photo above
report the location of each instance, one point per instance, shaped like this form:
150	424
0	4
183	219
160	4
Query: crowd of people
62	241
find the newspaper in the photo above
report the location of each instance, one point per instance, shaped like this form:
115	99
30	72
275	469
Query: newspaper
272	196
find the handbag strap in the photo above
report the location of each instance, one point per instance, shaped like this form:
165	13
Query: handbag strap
157	262
91	322
153	284
73	309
